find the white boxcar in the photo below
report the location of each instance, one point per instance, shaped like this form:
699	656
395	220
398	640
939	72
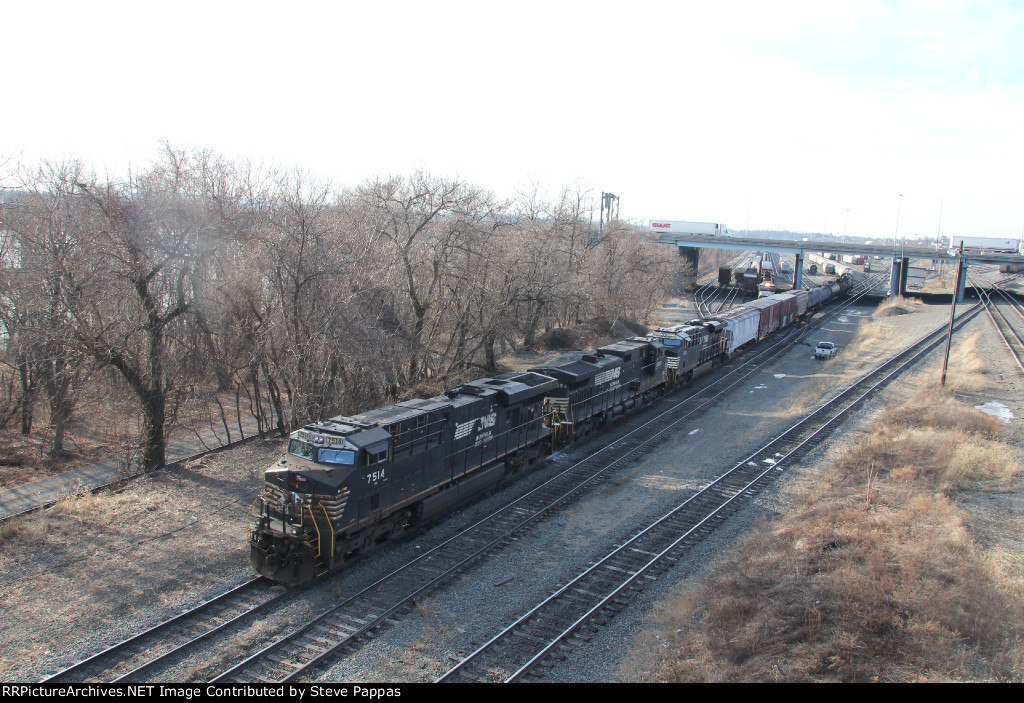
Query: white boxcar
741	326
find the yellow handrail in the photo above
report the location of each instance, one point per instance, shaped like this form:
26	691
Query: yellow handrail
319	549
332	529
248	513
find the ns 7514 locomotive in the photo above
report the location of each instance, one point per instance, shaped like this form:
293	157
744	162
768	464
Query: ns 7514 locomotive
349	483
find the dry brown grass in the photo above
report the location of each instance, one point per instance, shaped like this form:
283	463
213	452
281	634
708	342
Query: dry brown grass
872	575
899	302
966	370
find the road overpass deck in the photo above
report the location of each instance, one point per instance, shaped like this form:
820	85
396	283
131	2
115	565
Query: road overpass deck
801	248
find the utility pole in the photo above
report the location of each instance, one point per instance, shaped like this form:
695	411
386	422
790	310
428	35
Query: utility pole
898	208
952	311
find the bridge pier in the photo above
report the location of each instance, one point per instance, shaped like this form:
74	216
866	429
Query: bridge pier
898	277
798	271
691	254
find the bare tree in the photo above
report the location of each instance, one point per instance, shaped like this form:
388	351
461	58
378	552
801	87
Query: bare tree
43	225
423	221
128	301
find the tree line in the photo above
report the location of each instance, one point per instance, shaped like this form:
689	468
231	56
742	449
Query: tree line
199	276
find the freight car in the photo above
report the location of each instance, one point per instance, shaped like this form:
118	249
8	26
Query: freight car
750	281
347	484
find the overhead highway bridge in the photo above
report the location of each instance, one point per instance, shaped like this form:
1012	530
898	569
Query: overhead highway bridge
689	246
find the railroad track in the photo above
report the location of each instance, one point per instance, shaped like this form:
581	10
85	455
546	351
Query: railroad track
707	294
1013	339
356	618
136	657
297	654
555	626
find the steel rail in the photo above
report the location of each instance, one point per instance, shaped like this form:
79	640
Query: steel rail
1013	340
106	659
843	403
296	653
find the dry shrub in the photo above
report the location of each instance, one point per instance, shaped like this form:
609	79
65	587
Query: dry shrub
11	529
80	506
869	333
988	465
873	575
31	531
941	410
558	338
874	334
823	385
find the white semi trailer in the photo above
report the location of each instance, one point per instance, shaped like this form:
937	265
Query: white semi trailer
680	227
993	244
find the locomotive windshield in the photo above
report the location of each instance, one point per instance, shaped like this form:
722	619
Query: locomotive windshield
302	449
345	457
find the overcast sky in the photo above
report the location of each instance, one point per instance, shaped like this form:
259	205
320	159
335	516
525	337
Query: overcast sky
809	116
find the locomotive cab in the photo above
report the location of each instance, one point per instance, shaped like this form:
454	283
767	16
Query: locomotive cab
306	494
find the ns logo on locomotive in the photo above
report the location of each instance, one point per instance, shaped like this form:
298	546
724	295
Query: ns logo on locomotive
347	484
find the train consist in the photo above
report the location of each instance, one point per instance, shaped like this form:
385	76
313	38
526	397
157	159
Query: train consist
349	483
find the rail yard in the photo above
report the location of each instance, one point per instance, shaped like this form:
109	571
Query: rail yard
433	603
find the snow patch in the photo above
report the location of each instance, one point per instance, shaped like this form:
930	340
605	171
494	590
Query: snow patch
780	375
693	432
998	409
842	318
761	386
769	460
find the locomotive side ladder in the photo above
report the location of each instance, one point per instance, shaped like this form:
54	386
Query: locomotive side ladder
562	423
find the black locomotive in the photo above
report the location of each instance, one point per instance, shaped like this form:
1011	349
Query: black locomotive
349	483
